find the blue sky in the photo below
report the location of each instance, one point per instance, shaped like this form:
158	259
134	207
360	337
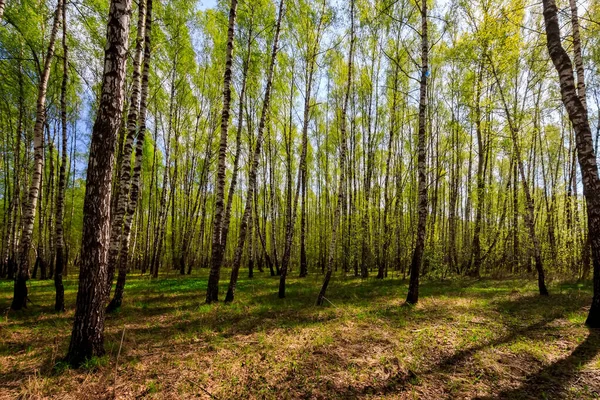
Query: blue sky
204	4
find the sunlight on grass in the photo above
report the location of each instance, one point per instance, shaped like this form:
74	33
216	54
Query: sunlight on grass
465	337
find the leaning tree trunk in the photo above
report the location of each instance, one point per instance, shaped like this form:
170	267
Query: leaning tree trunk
59	304
14	205
238	144
12	240
386	186
581	92
303	207
415	266
137	169
300	188
116	228
585	146
273	211
251	245
237	259
530	221
341	183
290	210
303	180
475	259
529	211
312	59
20	288
577	55
87	338
212	291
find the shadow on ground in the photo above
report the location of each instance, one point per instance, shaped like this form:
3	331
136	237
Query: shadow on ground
359	345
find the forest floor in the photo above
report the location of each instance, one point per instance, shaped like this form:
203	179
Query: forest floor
475	339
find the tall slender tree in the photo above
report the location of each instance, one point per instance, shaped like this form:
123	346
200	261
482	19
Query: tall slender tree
217	251
20	287
514	127
585	147
87	338
59	304
343	149
124	177
475	259
132	203
237	259
311	61
415	266
238	137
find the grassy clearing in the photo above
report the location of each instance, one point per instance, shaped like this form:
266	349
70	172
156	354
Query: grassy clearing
465	339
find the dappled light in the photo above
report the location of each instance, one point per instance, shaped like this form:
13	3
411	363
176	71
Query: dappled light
474	338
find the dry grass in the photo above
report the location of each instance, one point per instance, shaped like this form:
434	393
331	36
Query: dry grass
465	339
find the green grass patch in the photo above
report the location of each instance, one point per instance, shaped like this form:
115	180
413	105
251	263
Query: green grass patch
465	338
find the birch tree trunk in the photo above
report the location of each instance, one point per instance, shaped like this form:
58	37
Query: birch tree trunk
415	266
342	178
585	147
29	210
116	228
123	257
530	219
303	177
87	338
14	205
311	61
529	207
59	304
577	55
238	143
273	210
381	271
475	259
237	258
291	200
212	291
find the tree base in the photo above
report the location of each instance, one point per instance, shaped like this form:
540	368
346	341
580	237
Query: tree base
410	302
412	298
542	287
59	303
281	293
321	295
77	358
212	291
229	296
593	319
20	295
113	306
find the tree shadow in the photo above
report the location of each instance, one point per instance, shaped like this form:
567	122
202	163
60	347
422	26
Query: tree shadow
402	379
162	313
551	381
567	367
